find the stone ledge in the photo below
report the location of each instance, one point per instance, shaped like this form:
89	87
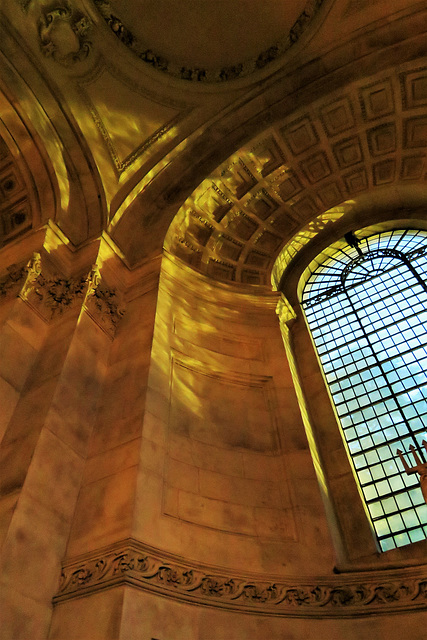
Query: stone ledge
130	562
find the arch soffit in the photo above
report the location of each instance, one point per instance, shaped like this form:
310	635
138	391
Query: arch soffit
364	145
401	207
354	141
43	137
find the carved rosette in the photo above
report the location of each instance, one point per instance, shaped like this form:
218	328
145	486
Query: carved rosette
135	564
50	295
102	303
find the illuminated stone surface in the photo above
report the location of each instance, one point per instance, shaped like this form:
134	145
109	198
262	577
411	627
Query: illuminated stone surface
167	440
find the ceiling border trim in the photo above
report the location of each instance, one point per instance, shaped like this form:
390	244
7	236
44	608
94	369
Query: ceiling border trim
210	75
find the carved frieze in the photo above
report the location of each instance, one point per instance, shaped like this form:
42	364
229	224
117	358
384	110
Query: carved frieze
50	295
135	564
103	303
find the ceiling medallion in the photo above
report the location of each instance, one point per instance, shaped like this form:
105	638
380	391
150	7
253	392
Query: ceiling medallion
199	73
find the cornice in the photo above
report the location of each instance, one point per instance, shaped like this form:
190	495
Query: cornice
135	564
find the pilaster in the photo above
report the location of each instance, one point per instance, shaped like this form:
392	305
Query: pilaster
43	452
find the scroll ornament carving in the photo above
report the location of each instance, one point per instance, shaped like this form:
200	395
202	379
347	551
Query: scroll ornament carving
50	296
102	303
63	32
132	564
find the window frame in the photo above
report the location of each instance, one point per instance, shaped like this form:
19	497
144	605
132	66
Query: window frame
339	281
354	540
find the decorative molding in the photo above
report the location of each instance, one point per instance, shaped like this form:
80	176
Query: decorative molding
12	280
121	164
50	296
102	303
133	563
63	32
200	74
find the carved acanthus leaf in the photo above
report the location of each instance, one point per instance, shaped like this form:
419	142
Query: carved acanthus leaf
103	303
50	295
10	282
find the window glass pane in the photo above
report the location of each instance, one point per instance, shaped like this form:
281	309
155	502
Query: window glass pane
369	325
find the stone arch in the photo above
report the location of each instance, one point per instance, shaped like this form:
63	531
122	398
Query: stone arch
364	142
56	165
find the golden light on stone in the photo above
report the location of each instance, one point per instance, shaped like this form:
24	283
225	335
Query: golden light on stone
171	464
303	237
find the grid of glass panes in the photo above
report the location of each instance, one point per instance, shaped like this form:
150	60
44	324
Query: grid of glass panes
372	343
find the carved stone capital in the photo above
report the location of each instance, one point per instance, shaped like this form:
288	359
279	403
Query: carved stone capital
133	563
103	303
12	280
50	295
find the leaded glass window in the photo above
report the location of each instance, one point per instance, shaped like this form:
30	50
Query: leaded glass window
366	307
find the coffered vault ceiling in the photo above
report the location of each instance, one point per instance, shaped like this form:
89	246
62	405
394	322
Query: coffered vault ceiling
366	137
15	208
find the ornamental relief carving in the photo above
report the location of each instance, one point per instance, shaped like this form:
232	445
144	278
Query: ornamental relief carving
10	282
103	303
63	33
199	73
133	563
50	295
62	30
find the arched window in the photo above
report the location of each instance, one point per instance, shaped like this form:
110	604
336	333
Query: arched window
366	307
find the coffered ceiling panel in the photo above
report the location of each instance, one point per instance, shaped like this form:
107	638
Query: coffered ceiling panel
370	135
15	208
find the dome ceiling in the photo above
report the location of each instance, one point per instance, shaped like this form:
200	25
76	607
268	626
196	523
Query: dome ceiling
367	137
213	40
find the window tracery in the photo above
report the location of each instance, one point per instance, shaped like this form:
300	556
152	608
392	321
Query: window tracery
366	307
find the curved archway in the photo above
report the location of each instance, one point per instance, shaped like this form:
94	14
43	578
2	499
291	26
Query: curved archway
45	140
